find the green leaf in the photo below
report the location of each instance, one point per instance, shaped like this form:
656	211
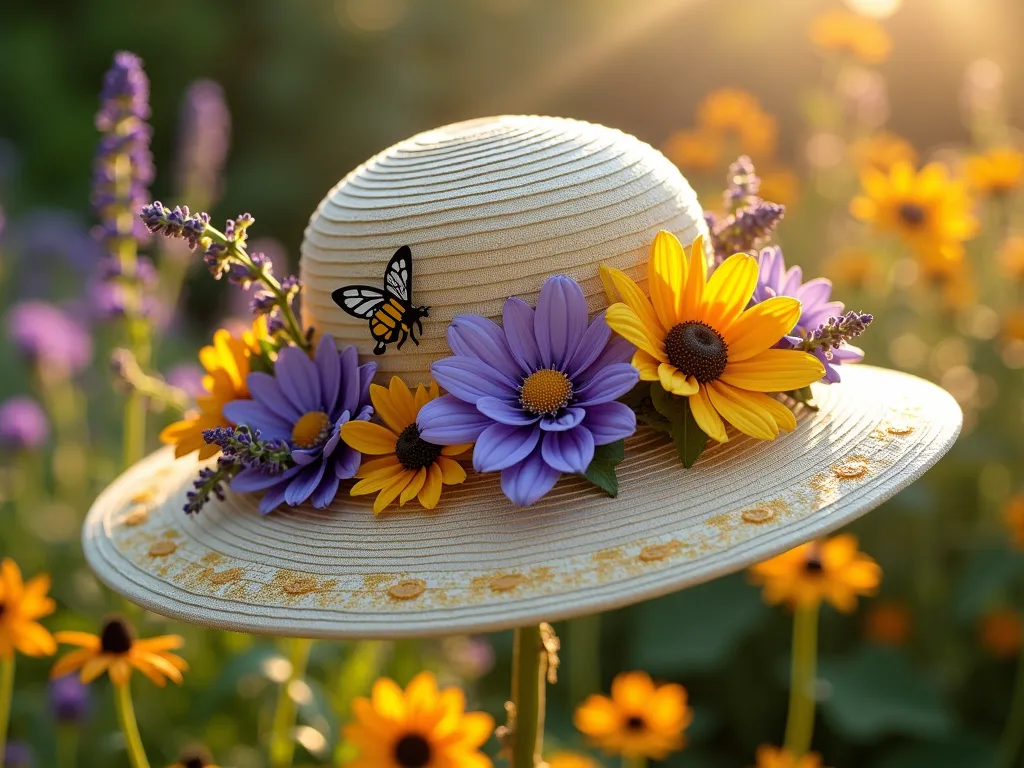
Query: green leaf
987	578
601	471
696	630
877	691
687	436
804	396
953	751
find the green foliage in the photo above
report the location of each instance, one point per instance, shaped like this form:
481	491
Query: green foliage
601	471
874	692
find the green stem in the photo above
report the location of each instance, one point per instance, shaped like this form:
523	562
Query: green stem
360	668
1013	732
66	409
638	761
67	746
583	639
282	741
6	694
528	678
291	322
800	719
129	727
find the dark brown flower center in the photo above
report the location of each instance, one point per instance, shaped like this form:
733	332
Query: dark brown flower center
697	350
2	609
413	451
412	751
116	636
814	566
635	723
912	214
194	758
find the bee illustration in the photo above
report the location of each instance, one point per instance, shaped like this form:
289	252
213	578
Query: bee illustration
390	311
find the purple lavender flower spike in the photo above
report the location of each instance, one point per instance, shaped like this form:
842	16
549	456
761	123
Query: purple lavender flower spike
19	754
537	395
70	700
304	405
49	337
204	137
815	331
23	424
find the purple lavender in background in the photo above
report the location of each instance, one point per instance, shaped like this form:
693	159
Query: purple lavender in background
749	220
204	136
49	337
815	331
70	700
188	377
53	238
23	424
19	754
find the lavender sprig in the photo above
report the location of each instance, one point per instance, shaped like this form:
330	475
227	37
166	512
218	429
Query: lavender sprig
225	254
749	221
245	448
209	482
835	332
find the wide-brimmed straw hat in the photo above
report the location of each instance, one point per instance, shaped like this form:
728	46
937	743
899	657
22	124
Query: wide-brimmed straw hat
490	209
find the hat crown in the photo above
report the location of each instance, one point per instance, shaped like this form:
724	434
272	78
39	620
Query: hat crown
490	208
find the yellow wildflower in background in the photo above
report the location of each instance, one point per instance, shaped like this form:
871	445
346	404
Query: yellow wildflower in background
1000	633
697	338
117	651
852	267
1013	516
419	727
998	171
737	114
779	184
1013	324
409	467
780	757
928	209
639	720
21	603
887	623
832	570
881	151
1011	257
697	150
838	31
571	760
227	365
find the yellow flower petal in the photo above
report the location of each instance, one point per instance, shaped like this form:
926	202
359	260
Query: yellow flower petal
706	416
761	326
372	467
452	473
430	494
410	490
646	364
729	290
634	298
666	277
692	301
747	418
774	370
610	293
377	479
390	408
368	438
675	381
391	491
624	321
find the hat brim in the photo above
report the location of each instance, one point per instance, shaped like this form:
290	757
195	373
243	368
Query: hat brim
479	564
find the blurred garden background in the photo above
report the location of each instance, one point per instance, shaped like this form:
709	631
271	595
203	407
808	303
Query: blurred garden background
292	95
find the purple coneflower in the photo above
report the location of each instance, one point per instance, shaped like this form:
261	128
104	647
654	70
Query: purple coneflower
70	700
49	337
304	405
537	395
23	424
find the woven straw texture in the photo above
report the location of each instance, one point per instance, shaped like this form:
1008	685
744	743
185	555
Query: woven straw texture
478	564
491	208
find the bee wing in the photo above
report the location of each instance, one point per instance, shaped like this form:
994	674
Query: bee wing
359	300
398	276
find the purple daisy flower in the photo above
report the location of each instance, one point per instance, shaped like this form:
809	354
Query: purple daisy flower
537	395
304	404
23	424
816	307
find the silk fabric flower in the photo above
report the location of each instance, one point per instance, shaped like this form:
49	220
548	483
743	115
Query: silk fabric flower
536	395
305	403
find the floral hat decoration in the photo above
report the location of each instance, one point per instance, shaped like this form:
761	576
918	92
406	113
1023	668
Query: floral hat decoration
530	379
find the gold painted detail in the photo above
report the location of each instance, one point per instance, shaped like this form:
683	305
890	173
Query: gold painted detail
409	589
899	429
758	515
507	582
299	585
162	548
652	553
850	470
226	576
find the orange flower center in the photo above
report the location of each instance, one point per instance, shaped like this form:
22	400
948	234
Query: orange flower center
697	350
311	429
545	392
912	214
412	751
